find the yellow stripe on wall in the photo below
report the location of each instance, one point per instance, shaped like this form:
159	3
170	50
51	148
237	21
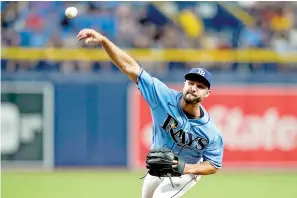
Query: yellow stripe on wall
178	55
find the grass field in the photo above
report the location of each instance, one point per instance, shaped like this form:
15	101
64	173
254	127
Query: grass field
118	184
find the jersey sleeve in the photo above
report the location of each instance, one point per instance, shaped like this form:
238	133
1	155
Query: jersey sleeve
152	89
213	152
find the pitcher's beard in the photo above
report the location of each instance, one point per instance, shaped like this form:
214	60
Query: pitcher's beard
191	101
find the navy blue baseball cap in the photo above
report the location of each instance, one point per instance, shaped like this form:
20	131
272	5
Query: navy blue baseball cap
199	74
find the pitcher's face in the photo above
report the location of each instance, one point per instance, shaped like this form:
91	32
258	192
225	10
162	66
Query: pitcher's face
195	92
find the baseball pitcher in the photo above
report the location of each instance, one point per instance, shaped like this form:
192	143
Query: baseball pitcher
185	142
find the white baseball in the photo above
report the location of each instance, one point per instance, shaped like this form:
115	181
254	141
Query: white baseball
71	12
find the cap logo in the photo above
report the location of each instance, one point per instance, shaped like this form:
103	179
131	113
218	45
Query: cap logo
201	72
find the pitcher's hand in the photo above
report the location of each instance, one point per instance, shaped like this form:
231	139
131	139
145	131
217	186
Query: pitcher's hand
90	36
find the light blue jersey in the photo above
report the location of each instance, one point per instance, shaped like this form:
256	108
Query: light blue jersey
192	139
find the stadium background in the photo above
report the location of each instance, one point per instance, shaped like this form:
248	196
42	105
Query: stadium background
73	126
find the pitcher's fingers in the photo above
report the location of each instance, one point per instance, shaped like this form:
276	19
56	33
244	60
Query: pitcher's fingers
87	40
90	40
81	37
81	34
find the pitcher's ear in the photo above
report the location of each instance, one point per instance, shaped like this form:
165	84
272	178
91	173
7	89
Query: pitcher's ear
208	93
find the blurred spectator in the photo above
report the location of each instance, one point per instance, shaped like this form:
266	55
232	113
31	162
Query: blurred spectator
143	25
252	37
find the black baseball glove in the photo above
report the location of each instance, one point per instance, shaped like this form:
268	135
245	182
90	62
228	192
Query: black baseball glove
159	163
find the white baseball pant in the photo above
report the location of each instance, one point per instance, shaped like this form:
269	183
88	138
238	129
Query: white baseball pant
155	187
